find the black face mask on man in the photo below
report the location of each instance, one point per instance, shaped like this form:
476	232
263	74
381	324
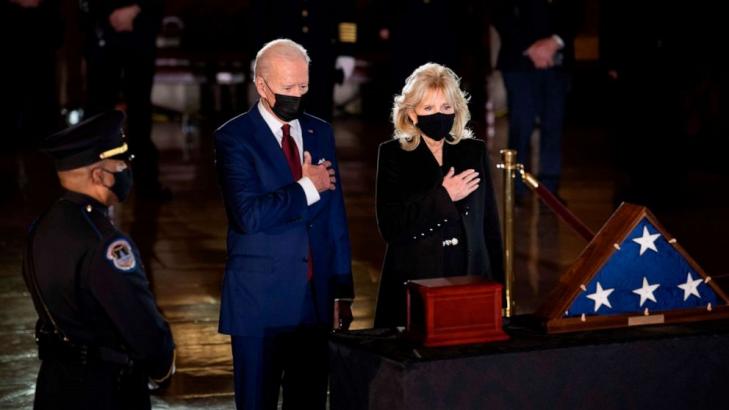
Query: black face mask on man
122	183
286	107
436	126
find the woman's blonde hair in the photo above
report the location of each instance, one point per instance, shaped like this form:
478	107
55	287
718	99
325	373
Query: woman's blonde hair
429	76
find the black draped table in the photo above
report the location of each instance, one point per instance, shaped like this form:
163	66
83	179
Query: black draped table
658	367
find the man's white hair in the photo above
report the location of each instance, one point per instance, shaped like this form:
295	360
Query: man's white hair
283	48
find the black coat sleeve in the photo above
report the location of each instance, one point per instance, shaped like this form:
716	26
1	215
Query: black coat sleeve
124	295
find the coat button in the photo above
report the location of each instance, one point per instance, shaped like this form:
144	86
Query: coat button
454	241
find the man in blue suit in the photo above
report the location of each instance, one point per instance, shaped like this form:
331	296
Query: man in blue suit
288	273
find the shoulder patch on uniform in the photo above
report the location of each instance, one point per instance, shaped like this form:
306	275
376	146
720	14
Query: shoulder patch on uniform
120	253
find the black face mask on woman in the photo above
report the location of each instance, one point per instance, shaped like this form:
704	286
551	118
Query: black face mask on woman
436	126
286	107
122	183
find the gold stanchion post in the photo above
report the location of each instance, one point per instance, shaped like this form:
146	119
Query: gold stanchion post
509	166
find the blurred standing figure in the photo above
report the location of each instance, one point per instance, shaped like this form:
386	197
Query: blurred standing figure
325	28
101	338
30	34
536	56
449	32
657	55
435	199
120	52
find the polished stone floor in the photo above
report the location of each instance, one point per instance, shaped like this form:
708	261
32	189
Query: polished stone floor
183	242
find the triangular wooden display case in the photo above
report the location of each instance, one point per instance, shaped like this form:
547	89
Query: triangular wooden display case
554	312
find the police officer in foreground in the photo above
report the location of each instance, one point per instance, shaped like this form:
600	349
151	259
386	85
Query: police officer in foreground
101	339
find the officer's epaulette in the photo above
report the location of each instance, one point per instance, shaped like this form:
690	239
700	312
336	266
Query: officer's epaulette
99	222
92	215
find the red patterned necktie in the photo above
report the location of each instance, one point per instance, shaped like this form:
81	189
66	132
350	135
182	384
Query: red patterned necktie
291	152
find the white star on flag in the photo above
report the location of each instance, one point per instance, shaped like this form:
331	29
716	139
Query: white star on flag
647	241
691	287
601	297
646	292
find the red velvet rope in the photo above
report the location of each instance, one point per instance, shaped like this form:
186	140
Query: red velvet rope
563	213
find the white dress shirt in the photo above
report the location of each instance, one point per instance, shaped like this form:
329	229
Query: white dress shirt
312	195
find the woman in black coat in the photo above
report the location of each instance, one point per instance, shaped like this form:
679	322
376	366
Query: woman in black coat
435	202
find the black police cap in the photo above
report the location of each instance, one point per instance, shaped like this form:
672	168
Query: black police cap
90	141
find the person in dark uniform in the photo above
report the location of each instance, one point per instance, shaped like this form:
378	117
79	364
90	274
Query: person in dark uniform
535	59
119	47
435	200
325	28
101	338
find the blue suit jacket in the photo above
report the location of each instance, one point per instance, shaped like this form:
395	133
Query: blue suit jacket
271	229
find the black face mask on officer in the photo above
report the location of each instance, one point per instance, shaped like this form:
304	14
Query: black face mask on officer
436	126
122	183
286	107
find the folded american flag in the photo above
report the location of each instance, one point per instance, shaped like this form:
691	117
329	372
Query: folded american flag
645	275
